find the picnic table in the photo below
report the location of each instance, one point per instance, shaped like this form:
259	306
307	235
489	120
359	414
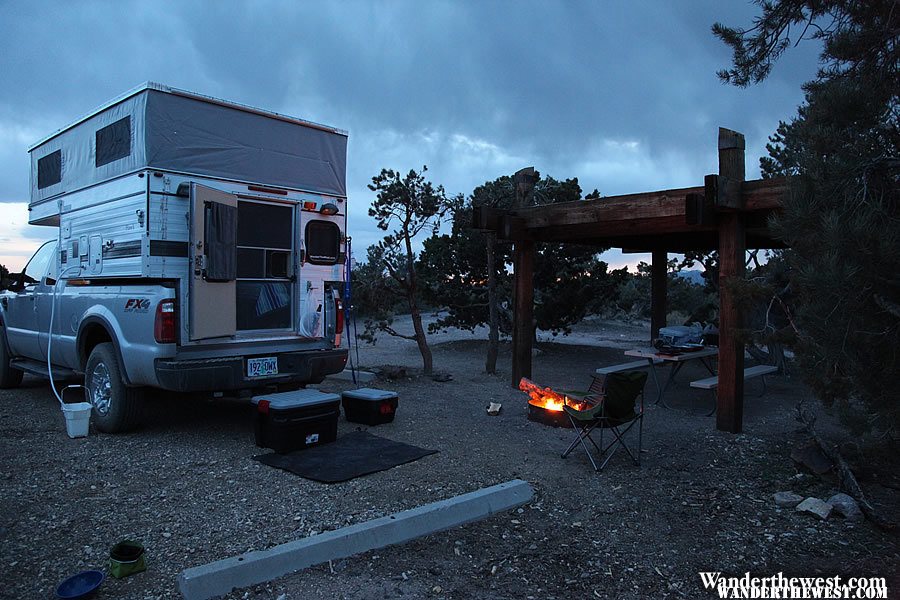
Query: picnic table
677	361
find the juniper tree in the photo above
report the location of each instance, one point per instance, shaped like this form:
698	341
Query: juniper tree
469	272
409	205
842	218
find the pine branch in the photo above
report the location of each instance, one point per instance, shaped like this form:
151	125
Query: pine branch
391	331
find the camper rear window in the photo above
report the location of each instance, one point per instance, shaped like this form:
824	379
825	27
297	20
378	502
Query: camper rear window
113	142
50	169
323	242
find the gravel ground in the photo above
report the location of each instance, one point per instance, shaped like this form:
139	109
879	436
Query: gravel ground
185	485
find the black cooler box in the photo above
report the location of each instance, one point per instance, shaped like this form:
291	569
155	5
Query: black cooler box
369	406
295	420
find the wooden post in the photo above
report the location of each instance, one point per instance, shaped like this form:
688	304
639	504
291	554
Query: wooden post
658	274
732	247
523	311
523	286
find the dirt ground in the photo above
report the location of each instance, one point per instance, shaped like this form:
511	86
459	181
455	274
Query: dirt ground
185	486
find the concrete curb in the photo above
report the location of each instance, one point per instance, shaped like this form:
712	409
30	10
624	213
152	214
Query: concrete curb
251	568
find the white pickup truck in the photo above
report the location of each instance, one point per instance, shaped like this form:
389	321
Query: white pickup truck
201	248
123	338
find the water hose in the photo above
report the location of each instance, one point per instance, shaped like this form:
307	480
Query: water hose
350	315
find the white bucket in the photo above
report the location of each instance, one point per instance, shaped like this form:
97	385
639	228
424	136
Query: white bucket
78	418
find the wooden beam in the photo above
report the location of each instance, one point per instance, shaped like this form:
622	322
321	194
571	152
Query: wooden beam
512	227
723	193
647	213
765	194
523	310
732	247
523	280
637	227
658	272
698	210
651	205
487	217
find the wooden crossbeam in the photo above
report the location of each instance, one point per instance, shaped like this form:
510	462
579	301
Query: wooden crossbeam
631	215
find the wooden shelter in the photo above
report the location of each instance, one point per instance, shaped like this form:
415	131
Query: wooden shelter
726	213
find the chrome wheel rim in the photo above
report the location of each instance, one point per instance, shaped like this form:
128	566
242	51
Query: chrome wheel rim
101	388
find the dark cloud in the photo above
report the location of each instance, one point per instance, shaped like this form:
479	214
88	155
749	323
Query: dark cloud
622	95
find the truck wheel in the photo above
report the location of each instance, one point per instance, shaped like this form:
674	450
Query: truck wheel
117	408
9	377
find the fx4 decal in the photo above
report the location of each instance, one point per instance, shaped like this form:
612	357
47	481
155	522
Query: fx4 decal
137	305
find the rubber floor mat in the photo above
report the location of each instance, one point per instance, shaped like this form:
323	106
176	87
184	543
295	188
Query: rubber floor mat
350	456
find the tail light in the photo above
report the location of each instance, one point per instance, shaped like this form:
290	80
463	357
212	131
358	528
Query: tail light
164	327
339	311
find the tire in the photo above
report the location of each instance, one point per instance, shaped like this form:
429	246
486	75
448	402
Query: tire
9	377
117	407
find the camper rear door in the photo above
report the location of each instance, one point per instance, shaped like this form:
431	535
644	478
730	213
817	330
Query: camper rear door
214	263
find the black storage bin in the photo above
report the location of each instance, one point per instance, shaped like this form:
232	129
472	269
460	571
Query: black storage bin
369	406
296	420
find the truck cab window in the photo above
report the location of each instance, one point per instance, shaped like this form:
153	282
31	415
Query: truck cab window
39	264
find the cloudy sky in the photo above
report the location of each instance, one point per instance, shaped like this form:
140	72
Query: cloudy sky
621	94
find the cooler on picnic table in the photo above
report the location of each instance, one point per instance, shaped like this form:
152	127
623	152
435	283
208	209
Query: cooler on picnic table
369	406
296	420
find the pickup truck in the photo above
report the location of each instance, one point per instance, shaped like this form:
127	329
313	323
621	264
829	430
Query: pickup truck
123	336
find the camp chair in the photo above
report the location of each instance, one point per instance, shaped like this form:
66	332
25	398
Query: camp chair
614	410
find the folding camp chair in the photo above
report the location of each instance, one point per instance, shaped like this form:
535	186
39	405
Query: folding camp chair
616	410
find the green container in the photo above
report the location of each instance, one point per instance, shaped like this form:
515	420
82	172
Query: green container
126	558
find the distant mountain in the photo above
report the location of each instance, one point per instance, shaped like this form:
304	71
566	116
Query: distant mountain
694	276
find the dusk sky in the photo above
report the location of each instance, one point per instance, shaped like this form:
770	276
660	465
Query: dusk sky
622	95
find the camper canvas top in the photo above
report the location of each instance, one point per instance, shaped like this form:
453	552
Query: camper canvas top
163	128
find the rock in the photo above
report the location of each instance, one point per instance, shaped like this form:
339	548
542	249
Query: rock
816	507
811	456
441	376
846	506
787	499
393	372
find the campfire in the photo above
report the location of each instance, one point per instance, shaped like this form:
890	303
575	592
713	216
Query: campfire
546	406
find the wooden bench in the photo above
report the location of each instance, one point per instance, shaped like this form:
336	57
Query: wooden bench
711	383
638	364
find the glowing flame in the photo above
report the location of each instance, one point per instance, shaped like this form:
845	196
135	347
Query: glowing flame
546	398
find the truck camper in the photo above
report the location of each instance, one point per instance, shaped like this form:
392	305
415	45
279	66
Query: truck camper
201	247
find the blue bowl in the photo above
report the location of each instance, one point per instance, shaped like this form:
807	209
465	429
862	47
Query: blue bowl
82	585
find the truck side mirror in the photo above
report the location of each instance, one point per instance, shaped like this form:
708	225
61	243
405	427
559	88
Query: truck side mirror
16	282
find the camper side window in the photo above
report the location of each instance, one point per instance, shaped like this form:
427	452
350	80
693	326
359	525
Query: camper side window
113	142
49	169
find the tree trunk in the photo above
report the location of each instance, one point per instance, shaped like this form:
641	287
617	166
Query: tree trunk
420	335
490	363
412	287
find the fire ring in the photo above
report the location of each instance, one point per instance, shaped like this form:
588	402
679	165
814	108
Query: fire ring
545	406
546	416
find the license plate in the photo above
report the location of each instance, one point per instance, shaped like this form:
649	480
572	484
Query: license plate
261	367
